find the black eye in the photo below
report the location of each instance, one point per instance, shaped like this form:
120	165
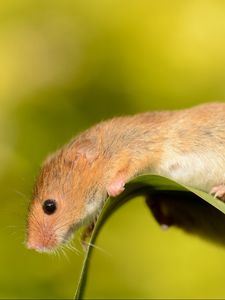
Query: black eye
49	206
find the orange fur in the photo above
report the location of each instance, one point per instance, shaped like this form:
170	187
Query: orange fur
186	145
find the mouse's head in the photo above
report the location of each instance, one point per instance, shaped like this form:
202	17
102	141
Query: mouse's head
67	194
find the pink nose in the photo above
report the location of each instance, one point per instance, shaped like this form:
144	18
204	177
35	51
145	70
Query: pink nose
34	245
40	245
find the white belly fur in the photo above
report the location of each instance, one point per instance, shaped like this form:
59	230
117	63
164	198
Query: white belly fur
199	170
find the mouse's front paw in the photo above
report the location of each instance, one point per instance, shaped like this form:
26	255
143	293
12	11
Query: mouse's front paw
115	188
218	191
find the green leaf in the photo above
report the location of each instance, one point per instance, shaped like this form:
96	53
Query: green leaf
191	209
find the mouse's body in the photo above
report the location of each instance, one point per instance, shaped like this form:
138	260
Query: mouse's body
185	145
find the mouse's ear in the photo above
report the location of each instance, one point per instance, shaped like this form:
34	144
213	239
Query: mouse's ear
87	148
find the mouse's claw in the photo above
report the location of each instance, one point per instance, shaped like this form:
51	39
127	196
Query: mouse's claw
218	191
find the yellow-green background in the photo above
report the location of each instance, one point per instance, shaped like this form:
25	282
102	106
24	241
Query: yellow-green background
65	65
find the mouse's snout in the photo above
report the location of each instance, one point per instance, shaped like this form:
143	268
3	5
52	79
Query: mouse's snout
41	236
40	243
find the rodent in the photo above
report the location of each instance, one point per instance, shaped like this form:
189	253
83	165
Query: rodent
185	145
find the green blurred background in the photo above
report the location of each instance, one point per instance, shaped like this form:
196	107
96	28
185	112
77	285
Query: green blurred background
65	65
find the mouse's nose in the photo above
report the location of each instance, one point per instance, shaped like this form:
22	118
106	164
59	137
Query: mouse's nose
37	246
41	243
33	245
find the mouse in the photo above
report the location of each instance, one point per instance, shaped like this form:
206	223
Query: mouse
185	145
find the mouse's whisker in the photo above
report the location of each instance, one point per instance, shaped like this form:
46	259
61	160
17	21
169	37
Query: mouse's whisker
72	248
85	243
64	253
22	195
56	252
36	222
62	224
